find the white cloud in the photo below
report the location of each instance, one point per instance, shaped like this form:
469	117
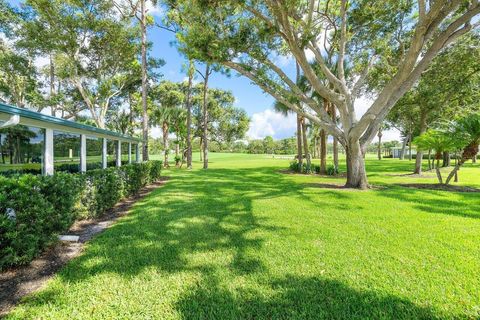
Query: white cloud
154	10
41	61
310	55
361	106
271	123
283	61
156	132
390	135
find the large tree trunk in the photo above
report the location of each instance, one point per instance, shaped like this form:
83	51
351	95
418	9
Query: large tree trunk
335	154
410	147
333	113
205	117
165	143
429	159
305	145
299	143
143	25
418	162
404	148
323	152
437	170
467	153
446	159
419	156
189	116
356	173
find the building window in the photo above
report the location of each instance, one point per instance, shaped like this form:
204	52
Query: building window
134	152
66	151
21	149
94	153
124	152
111	153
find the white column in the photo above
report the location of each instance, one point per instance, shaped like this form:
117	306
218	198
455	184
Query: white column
129	152
119	153
104	153
137	153
48	167
83	153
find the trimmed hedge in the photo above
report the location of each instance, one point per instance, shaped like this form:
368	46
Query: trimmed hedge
63	167
35	209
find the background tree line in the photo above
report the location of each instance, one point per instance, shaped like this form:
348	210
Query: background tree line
97	70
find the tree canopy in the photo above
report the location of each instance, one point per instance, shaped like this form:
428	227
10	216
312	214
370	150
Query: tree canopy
390	41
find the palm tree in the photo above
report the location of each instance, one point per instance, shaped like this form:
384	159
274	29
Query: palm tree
285	111
438	141
464	135
168	98
467	131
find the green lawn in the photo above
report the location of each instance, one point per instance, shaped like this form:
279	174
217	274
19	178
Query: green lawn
242	240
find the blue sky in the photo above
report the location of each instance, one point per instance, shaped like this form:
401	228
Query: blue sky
264	121
248	96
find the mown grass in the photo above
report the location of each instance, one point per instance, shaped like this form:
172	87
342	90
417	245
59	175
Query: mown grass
243	240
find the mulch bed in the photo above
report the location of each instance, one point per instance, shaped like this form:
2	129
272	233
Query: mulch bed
18	282
288	171
412	175
333	186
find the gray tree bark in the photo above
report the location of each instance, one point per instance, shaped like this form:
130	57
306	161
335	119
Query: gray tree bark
305	145
189	115
299	143
419	156
379	150
356	174
165	144
323	152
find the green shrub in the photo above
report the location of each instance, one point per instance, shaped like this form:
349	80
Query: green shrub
45	206
332	170
295	166
137	176
155	170
62	191
31	229
178	159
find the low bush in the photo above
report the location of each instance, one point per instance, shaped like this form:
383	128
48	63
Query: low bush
155	169
34	209
304	168
332	170
295	166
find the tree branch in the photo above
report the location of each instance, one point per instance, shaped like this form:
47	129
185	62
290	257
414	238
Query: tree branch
343	40
324	122
406	77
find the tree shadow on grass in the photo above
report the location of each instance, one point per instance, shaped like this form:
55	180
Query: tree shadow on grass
442	187
294	297
199	213
204	212
462	204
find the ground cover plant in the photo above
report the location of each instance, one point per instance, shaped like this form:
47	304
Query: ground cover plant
244	239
